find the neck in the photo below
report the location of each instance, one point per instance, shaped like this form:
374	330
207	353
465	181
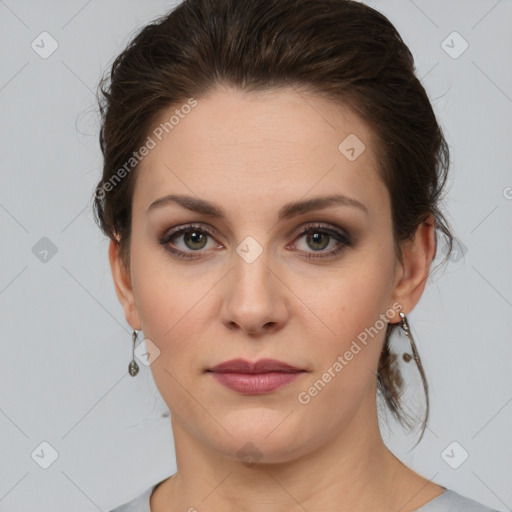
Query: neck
353	469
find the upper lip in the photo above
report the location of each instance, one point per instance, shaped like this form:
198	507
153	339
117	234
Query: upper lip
260	366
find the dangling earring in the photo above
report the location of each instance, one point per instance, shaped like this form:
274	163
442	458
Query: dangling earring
405	326
133	367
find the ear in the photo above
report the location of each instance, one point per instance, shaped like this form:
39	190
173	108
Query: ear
412	274
122	282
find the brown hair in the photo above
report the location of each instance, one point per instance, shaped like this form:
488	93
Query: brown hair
341	49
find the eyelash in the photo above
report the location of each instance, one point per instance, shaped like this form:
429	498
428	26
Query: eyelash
343	239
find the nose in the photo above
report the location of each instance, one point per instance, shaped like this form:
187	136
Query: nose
255	298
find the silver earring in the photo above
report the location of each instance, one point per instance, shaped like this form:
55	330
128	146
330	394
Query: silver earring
133	367
405	326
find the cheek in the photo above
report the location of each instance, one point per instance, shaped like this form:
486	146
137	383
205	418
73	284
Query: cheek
346	362
160	290
174	305
168	310
355	298
167	304
353	306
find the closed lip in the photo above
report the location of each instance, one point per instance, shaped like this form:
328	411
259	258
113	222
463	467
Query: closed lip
260	366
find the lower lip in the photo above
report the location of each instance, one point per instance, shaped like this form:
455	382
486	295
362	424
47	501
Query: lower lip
255	384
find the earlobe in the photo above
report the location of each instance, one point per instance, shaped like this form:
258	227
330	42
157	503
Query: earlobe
123	285
418	254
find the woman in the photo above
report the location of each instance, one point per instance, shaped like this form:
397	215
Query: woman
272	179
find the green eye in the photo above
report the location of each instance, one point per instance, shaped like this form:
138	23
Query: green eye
318	238
195	239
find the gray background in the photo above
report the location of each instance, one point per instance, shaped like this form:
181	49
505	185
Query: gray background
65	344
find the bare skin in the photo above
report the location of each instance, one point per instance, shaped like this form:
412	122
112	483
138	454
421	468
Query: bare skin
251	154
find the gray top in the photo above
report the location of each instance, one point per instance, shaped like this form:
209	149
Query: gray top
448	501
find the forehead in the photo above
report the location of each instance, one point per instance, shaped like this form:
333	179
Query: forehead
258	146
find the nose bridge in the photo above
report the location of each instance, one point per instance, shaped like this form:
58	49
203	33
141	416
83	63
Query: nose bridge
252	299
251	271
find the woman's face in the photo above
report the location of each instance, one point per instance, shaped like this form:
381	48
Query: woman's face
244	282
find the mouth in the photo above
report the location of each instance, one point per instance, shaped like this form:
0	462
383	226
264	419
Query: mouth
256	378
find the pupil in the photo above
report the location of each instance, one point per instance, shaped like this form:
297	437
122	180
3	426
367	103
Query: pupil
316	238
194	237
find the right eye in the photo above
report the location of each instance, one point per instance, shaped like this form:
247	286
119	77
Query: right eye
194	238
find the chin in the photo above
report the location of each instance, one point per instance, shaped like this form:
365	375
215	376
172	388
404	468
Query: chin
257	438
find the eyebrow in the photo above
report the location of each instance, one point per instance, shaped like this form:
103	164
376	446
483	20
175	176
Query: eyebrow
287	211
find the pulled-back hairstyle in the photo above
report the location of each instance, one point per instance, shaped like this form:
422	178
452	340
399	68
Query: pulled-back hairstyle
342	50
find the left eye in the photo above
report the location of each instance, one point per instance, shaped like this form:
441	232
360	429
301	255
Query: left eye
317	238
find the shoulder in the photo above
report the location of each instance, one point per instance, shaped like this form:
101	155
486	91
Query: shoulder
451	501
138	504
